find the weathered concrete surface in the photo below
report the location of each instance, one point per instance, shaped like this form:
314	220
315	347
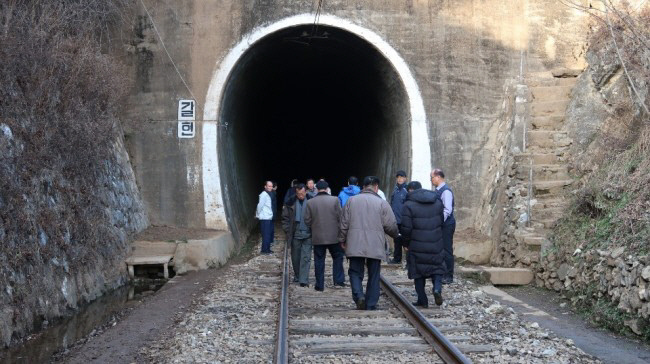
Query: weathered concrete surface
199	254
466	56
191	249
500	275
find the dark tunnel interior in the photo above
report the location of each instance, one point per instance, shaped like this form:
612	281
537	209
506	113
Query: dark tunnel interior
306	103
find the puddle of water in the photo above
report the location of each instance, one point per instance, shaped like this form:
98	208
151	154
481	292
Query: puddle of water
65	333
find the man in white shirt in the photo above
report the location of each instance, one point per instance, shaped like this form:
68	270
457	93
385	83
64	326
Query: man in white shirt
264	213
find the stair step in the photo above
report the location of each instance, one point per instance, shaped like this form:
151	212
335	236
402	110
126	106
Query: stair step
538	158
499	275
547	212
548	139
543	172
550	187
547	122
550	201
551	93
547	223
551	81
549	108
533	241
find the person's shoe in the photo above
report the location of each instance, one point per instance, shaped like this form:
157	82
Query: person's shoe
295	280
447	280
267	253
418	304
361	304
304	284
393	261
438	297
339	285
373	308
319	289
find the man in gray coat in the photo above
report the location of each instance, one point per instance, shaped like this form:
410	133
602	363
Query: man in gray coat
298	235
322	216
364	220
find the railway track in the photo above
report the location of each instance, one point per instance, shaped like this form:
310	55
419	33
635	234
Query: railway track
327	327
236	321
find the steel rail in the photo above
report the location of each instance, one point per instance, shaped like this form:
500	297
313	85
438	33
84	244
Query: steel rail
281	354
447	351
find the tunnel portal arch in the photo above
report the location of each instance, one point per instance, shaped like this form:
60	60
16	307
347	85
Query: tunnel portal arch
216	194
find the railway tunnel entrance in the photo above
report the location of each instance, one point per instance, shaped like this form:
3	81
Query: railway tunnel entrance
307	101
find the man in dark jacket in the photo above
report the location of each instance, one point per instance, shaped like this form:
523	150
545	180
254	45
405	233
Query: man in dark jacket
298	235
291	192
422	219
364	220
322	216
396	202
351	190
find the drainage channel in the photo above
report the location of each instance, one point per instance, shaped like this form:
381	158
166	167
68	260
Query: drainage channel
104	311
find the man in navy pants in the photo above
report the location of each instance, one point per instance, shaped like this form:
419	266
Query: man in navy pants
322	216
264	213
449	224
365	219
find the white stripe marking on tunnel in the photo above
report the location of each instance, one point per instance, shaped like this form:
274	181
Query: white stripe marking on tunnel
215	215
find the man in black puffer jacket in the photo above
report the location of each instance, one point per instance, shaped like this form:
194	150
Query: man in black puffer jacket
422	219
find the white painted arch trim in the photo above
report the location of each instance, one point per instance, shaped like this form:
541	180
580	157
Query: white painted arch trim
215	214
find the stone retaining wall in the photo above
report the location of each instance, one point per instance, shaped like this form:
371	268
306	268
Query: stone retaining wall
603	274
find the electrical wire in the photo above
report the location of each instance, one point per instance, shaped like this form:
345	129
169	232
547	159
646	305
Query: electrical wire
168	55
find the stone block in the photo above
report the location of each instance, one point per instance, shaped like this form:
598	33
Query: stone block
549	108
501	276
509	276
547	122
477	252
551	93
204	253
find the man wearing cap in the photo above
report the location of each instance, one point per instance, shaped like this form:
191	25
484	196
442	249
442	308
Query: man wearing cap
449	225
322	216
364	220
396	203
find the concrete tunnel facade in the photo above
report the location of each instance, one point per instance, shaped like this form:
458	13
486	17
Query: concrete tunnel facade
380	86
294	100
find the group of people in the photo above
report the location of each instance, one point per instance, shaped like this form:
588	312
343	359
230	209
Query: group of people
355	225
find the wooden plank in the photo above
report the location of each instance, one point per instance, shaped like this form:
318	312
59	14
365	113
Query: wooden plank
357	340
348	321
153	259
350	312
354	348
367	330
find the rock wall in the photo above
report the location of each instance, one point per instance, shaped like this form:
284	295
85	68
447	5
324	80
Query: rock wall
68	198
598	252
50	267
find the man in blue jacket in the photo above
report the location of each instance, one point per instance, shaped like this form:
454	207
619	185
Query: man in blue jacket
396	203
351	190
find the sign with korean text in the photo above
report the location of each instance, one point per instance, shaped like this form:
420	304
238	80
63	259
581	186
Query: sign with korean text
186	117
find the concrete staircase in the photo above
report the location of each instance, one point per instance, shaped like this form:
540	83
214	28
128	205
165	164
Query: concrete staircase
542	165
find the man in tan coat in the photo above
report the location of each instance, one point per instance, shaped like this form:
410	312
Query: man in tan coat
322	216
364	220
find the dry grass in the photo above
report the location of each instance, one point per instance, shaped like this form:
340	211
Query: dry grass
60	94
